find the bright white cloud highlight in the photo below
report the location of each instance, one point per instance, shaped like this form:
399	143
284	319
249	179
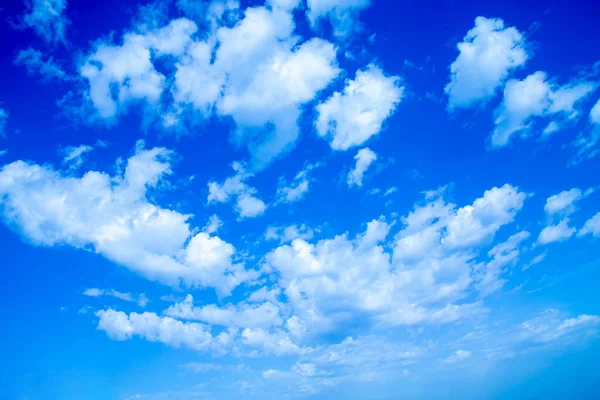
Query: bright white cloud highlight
422	280
364	158
352	117
556	233
487	55
112	216
256	72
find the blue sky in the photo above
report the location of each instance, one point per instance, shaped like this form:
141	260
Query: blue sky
321	199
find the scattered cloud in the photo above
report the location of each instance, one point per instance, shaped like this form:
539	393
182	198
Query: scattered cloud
364	158
47	19
140	299
352	117
487	55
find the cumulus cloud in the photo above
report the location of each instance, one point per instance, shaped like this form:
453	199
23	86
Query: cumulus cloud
235	187
364	158
140	299
149	326
487	55
47	19
535	96
112	216
256	72
424	277
352	117
342	14
33	60
289	233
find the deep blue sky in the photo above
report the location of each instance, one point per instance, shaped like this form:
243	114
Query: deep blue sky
351	162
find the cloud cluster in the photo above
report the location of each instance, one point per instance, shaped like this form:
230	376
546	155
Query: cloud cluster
487	55
112	216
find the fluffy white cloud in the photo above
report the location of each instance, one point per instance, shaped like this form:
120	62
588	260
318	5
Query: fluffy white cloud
563	203
277	343
422	280
556	233
257	72
591	226
352	117
112	216
121	74
264	315
47	19
299	186
34	62
488	54
532	97
246	205
341	13
364	158
149	326
140	299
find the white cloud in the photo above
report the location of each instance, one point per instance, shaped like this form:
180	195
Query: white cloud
364	158
3	118
591	226
112	216
488	54
556	233
33	61
389	191
213	225
140	299
241	315
269	343
246	205
341	13
563	203
459	355
489	275
47	19
352	117
257	72
550	326
289	233
73	156
536	260
425	277
166	330
299	186
119	75
532	97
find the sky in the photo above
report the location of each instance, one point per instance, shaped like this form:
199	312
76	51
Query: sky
317	199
